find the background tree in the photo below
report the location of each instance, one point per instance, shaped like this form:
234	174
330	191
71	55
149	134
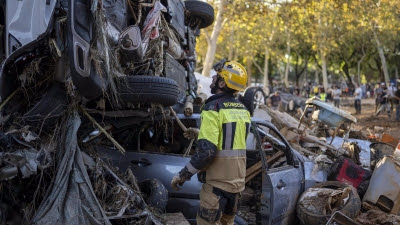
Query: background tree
291	39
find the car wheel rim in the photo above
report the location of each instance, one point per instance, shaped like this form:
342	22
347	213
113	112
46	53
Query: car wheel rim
258	99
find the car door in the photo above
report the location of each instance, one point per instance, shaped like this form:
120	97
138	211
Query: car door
281	186
163	167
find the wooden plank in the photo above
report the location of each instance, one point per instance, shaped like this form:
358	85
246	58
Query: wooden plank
257	168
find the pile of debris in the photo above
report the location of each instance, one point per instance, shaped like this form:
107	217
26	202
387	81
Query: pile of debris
48	175
356	176
48	179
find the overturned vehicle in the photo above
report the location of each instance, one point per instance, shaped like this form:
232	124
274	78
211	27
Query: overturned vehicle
68	66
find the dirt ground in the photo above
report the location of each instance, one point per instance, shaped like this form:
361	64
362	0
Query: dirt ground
367	120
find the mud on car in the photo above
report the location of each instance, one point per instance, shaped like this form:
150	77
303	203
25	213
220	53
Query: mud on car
275	176
114	54
124	62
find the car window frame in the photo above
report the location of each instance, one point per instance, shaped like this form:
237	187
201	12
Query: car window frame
290	157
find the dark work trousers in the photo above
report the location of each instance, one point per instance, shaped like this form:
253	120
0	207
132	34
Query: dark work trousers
357	105
216	206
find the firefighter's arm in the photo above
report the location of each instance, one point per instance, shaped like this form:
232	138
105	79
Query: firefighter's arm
206	145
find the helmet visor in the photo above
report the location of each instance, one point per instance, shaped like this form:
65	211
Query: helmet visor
219	65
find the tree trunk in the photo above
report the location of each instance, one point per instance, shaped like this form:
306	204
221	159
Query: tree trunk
359	68
305	78
316	77
212	43
231	42
249	64
266	70
270	71
324	71
396	72
382	57
299	73
287	62
346	72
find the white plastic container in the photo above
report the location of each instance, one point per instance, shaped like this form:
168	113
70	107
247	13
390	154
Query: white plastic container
396	152
384	186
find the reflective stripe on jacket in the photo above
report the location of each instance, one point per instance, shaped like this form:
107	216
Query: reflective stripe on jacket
225	123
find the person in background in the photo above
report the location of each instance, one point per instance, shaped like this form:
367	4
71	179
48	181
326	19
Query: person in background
316	90
220	157
391	91
336	92
396	101
322	95
378	95
329	94
364	90
307	88
274	100
384	102
357	100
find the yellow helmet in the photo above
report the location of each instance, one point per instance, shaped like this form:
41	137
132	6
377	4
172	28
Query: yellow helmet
233	73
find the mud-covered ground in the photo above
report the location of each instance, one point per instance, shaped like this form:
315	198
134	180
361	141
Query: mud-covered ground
367	120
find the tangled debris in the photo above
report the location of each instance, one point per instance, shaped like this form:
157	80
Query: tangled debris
61	179
348	159
377	217
48	176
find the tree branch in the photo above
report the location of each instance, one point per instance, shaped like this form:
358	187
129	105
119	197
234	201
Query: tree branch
207	37
258	66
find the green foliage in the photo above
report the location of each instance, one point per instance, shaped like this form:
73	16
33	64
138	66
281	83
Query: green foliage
342	29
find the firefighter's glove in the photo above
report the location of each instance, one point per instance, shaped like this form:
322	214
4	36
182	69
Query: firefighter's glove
177	180
191	133
184	175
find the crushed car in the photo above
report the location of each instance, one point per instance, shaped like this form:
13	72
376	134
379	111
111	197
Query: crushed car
70	65
274	172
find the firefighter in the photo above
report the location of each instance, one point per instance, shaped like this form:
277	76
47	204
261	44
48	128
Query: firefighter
220	157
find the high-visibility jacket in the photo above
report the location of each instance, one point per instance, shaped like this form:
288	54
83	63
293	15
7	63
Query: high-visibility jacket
221	145
322	96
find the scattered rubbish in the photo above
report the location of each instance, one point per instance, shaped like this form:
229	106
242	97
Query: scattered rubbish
317	204
387	138
317	170
257	167
327	114
397	152
346	171
377	217
358	134
378	151
384	188
339	218
110	198
239	221
378	129
75	66
365	153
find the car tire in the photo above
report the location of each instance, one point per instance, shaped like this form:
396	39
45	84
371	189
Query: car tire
49	108
350	209
253	98
201	10
149	89
154	194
